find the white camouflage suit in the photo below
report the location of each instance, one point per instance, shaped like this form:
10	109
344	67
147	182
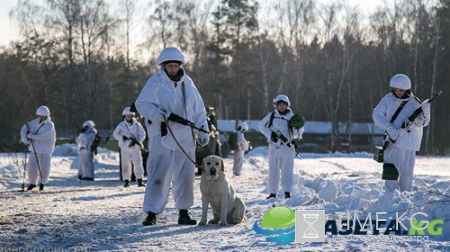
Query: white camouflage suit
238	155
401	153
167	164
281	157
43	136
130	153
84	141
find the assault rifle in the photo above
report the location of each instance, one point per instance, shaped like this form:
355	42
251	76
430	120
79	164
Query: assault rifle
178	119
285	141
133	141
417	112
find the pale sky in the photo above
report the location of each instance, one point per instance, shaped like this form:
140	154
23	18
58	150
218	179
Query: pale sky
9	30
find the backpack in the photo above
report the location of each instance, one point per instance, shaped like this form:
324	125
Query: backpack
233	141
96	143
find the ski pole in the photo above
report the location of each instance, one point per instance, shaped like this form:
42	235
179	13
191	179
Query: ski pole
24	171
35	154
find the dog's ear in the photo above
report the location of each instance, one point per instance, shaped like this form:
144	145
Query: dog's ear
221	165
203	165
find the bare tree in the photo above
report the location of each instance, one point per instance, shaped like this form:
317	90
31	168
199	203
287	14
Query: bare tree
130	14
429	140
334	82
63	21
220	50
30	19
307	16
197	17
296	16
266	50
349	71
163	20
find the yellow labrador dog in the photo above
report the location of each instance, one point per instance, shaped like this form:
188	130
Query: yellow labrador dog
217	191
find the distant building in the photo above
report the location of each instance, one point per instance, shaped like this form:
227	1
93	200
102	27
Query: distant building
361	136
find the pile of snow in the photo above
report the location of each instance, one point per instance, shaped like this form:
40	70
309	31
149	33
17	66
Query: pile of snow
69	150
102	215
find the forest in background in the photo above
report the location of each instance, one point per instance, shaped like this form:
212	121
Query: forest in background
88	59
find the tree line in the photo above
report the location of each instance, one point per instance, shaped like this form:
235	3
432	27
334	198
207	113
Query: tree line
89	59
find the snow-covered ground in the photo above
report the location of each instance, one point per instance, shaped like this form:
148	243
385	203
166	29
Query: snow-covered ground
73	215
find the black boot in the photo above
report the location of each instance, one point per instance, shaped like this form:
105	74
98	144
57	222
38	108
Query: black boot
272	195
30	187
140	183
287	195
185	219
41	187
150	220
127	183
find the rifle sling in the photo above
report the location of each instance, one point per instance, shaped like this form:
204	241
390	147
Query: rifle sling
129	131
183	88
397	112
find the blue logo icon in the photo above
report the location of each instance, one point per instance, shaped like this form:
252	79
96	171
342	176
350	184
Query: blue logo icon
278	224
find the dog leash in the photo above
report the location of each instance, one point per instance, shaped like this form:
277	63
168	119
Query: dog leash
179	145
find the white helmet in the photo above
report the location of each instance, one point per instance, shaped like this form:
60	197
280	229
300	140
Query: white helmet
243	126
43	111
400	81
127	111
281	97
90	124
171	54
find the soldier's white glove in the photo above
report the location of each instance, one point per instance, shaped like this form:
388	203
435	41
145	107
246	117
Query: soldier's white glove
203	139
31	136
26	141
426	108
163	114
121	142
392	133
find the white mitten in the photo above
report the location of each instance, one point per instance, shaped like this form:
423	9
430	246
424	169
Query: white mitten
203	139
163	114
392	133
426	108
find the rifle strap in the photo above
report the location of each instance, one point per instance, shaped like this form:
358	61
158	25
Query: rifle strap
270	123
272	116
129	131
183	89
179	145
28	127
397	112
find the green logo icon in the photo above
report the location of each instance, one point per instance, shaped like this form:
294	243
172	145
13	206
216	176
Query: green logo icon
277	225
278	217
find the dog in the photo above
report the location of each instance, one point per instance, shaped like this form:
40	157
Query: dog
218	192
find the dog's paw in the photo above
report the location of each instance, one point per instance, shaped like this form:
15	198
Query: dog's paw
223	223
202	223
